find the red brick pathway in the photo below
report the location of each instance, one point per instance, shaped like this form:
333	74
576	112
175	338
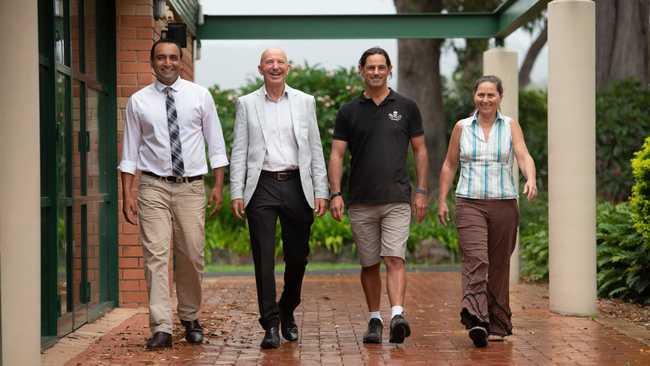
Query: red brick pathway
332	319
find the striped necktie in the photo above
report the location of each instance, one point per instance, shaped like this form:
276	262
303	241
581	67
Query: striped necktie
174	135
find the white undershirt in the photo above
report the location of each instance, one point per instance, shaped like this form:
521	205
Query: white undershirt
281	145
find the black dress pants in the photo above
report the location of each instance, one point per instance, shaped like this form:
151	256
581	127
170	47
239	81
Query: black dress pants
283	199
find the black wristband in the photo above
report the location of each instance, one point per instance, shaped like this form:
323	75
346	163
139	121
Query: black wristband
335	194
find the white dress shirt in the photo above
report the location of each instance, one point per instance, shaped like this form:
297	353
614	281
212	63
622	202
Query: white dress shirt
146	143
281	144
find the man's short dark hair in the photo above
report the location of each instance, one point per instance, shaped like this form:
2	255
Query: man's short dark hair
153	47
374	51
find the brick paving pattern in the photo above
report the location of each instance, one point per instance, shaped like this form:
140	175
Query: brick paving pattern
332	319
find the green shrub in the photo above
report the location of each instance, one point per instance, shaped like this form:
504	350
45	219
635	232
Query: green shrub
623	257
330	234
225	232
533	118
640	200
622	121
430	228
533	238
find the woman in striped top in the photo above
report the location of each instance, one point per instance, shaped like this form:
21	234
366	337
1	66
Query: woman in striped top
487	216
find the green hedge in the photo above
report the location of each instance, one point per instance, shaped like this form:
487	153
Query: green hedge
622	122
623	257
533	238
640	200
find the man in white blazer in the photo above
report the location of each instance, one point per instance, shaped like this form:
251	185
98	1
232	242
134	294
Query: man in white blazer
277	170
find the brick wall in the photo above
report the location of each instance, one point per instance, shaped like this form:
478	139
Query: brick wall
136	32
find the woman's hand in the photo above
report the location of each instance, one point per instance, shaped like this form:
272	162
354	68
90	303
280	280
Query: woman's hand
530	189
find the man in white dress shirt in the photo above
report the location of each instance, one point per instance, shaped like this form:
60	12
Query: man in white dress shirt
168	124
278	171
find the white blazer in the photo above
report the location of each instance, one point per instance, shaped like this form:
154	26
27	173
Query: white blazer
249	146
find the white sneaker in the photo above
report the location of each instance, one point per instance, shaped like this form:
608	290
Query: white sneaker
496	338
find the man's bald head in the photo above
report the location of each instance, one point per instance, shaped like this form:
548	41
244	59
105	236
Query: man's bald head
274	67
273	52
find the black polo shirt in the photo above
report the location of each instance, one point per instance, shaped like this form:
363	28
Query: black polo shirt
378	137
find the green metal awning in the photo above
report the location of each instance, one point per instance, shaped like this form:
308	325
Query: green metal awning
188	10
498	24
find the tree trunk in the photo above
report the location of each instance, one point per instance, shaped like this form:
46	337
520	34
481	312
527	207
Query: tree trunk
419	78
531	56
623	41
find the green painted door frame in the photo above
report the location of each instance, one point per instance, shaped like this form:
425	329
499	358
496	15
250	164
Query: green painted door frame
66	290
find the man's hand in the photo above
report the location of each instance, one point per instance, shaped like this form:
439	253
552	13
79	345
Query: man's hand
443	213
420	206
337	207
320	206
215	200
237	207
130	210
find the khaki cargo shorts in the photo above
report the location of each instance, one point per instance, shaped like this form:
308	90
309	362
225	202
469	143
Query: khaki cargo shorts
380	230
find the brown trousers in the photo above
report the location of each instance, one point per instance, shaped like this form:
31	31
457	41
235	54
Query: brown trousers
172	218
487	231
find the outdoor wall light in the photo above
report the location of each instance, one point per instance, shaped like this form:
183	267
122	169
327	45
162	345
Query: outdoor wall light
176	32
159	9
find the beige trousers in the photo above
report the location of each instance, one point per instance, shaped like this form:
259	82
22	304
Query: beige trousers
172	213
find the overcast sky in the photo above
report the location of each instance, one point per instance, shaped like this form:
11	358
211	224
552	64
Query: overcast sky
230	63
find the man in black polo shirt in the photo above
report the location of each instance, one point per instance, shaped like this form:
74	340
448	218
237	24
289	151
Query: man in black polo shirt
378	126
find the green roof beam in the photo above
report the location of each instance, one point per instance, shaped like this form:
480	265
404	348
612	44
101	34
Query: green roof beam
516	13
457	25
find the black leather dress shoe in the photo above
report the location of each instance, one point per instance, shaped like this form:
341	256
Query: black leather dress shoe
271	338
288	327
159	340
193	331
374	332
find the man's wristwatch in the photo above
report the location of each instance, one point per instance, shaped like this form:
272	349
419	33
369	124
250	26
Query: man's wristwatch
421	190
335	194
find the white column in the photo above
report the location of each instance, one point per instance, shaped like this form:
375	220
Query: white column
20	254
572	156
502	62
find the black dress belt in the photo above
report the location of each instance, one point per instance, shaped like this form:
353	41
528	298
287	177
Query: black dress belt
174	179
281	176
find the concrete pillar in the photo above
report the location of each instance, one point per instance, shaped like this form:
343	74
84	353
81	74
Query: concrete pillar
572	156
20	242
503	63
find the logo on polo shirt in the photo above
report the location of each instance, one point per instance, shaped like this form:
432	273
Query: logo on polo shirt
395	116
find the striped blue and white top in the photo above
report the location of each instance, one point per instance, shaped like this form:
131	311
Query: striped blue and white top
486	165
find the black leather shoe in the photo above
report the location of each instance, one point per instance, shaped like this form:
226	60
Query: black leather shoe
399	329
375	329
193	331
288	327
271	338
159	340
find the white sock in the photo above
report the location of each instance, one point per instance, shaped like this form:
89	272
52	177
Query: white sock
375	315
396	310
